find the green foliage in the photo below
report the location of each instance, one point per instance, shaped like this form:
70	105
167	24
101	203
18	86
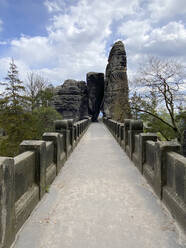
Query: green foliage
13	96
45	96
181	120
17	119
13	118
156	120
18	126
44	118
154	125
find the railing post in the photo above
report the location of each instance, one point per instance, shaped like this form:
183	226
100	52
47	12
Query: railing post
71	128
40	149
78	130
59	154
61	126
160	168
7	202
118	132
135	127
75	133
121	134
143	137
125	134
184	143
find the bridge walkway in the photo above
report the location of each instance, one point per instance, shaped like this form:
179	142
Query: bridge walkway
99	200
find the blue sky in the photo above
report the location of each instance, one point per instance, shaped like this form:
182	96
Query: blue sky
63	39
23	17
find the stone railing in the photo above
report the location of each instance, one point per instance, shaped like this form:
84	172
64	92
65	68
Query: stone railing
25	178
160	163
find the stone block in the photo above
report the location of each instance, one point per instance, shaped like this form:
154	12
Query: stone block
160	168
143	137
121	134
174	192
150	162
183	142
40	149
51	167
59	154
71	128
75	134
125	133
7	202
135	127
26	188
135	155
62	126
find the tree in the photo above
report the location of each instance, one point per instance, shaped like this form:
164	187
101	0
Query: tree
38	90
17	118
16	122
159	81
44	120
13	95
46	96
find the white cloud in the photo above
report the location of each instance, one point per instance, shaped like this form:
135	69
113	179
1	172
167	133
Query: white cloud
173	31
4	67
169	40
80	31
76	38
33	50
166	9
142	39
140	36
52	6
135	33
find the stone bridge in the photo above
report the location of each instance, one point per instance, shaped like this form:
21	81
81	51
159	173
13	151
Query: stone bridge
97	195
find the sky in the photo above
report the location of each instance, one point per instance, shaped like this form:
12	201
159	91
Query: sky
65	39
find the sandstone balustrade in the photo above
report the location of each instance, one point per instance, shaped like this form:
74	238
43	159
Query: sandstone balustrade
25	178
159	161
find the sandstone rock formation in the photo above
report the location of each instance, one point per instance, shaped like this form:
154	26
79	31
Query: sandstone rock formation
95	86
116	103
76	99
71	99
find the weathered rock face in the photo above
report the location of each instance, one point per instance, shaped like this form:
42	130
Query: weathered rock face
95	86
116	103
76	99
71	99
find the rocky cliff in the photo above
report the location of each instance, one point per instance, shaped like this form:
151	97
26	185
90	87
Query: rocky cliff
95	86
116	103
76	99
71	99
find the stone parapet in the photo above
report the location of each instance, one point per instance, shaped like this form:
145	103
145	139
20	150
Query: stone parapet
160	163
25	178
7	199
